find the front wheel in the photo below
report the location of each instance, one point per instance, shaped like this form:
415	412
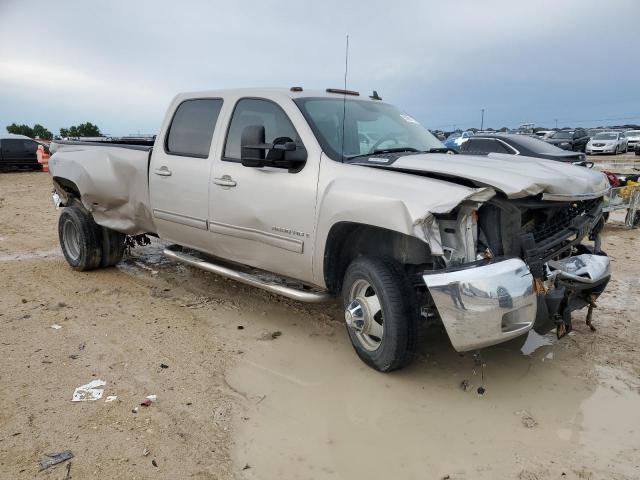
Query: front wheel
381	312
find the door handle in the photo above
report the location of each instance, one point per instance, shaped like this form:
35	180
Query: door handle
162	171
225	181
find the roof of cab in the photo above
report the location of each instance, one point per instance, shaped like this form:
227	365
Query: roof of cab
292	93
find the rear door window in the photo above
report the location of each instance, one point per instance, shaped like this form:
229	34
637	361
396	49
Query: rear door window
254	111
16	145
484	145
192	126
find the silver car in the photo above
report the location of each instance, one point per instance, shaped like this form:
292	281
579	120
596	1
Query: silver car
607	142
633	139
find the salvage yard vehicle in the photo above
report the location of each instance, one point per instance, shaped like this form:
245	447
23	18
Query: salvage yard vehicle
607	142
526	145
575	140
633	139
274	188
18	151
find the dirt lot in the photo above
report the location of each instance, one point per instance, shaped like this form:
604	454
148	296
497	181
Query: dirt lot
259	387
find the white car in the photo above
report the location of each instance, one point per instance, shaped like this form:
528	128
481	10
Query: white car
633	139
607	142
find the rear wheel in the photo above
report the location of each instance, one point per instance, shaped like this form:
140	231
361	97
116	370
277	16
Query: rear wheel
381	312
80	239
113	245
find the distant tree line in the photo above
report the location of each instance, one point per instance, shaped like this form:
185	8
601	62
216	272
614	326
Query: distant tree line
86	129
36	131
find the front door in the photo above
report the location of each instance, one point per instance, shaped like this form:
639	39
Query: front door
179	173
264	217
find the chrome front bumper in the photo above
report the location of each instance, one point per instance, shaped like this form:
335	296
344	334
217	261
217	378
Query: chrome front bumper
484	305
488	304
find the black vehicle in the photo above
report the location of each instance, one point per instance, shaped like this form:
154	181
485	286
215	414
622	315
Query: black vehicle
18	151
520	145
575	140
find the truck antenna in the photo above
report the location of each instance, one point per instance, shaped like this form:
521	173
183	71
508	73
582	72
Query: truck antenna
344	97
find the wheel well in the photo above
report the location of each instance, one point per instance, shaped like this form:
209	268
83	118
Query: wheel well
66	188
347	240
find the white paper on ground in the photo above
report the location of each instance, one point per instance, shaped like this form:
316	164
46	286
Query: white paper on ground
89	392
111	398
56	327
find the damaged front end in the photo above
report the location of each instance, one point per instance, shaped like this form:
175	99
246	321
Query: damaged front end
509	265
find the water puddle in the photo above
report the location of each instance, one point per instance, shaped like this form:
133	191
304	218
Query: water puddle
316	411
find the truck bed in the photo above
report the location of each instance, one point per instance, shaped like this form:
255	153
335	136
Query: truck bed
112	178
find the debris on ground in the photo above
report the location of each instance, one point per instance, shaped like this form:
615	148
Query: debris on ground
74	356
246	467
146	452
267	335
55	458
527	420
55	326
68	475
154	463
111	398
481	390
81	346
135	410
149	400
164	365
465	385
89	392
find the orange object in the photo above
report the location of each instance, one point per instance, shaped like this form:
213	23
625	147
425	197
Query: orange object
43	158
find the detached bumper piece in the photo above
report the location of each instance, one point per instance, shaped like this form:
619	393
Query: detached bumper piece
573	283
486	304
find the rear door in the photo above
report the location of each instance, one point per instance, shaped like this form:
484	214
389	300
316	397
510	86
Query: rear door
179	173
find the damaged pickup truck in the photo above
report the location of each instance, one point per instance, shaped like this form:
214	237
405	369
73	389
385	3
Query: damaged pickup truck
317	195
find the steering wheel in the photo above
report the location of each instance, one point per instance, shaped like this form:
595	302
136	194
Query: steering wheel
388	136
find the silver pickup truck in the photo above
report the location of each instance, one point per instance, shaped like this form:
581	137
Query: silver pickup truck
316	195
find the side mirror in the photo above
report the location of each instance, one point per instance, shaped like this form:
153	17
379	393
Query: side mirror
251	140
282	153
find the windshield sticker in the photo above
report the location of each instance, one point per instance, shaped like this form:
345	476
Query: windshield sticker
409	119
378	160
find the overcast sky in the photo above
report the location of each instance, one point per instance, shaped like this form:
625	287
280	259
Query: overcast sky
118	63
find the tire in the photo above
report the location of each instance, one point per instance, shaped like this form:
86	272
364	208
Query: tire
80	238
368	279
112	247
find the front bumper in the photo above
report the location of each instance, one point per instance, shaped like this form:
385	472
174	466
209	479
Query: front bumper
487	304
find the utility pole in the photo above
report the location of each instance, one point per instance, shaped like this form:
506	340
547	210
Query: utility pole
556	123
482	121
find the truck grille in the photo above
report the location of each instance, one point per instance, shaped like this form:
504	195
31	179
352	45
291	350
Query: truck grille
545	224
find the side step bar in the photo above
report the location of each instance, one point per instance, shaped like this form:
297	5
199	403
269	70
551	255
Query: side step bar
309	296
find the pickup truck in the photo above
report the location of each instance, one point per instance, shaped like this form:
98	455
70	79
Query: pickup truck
318	195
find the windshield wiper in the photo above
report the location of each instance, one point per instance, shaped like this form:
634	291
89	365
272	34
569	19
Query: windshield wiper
394	150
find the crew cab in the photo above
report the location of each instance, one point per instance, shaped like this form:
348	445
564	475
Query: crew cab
318	195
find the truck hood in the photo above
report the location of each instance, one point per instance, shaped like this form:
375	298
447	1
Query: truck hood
514	175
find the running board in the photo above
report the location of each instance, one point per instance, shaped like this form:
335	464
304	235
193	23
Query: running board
301	295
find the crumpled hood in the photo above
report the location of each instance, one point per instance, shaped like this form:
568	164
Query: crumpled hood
514	175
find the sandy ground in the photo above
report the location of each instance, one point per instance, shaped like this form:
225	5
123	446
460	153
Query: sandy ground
237	401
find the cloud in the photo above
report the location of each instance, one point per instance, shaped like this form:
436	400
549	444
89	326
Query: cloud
118	65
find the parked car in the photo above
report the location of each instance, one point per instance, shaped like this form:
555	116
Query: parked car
18	151
633	139
575	140
456	139
272	188
521	145
607	142
544	133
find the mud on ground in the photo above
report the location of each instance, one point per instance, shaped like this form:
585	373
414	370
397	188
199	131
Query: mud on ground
261	387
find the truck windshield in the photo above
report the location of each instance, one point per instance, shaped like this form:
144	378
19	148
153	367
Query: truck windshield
369	127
